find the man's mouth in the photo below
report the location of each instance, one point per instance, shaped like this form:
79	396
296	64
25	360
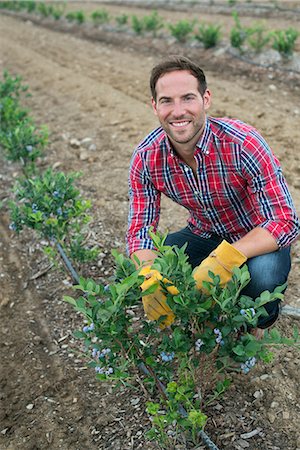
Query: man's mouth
180	124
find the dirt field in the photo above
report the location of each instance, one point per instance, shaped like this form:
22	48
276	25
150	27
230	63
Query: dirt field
97	88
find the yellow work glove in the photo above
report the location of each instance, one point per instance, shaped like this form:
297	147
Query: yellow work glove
221	261
155	305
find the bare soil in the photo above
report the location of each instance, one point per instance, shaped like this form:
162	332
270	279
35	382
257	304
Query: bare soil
94	84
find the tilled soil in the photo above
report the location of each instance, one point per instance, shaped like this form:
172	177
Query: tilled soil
98	89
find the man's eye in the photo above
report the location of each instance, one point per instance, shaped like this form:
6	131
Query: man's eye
165	100
189	98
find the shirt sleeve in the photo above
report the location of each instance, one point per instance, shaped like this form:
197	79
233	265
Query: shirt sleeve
268	190
144	206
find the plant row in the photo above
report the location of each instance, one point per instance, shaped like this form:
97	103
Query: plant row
211	331
47	202
255	37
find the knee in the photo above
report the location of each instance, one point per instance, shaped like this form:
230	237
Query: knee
268	271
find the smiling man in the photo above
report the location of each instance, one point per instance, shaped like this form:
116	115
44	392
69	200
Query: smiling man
228	178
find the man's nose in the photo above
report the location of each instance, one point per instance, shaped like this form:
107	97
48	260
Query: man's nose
178	109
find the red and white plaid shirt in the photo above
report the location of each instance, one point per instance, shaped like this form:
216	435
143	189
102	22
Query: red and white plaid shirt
239	186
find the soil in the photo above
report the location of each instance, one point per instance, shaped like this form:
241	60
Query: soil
94	84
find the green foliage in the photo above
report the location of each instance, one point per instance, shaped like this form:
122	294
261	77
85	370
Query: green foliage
232	2
257	38
210	333
44	9
51	205
24	143
76	16
58	11
100	16
153	22
238	34
122	19
284	41
209	35
11	87
137	24
11	114
182	29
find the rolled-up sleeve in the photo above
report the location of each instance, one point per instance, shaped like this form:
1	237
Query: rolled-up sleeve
144	206
269	191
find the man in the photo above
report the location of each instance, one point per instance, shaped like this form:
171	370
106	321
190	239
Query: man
225	174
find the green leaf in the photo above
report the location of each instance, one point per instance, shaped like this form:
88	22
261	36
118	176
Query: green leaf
70	300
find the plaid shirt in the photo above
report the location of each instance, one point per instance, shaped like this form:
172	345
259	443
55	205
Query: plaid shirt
239	186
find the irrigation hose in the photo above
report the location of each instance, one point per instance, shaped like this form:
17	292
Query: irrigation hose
206	440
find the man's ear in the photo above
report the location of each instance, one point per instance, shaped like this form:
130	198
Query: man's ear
154	106
207	99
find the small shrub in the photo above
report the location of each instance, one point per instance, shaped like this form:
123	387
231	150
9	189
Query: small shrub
257	38
76	16
51	205
209	35
137	24
99	17
122	19
24	143
11	114
210	333
284	41
181	29
57	12
153	22
44	9
238	34
11	87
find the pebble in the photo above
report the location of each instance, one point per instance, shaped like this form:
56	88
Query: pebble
258	394
30	406
272	87
75	143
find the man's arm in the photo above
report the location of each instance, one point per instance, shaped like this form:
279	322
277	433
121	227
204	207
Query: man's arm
145	257
257	242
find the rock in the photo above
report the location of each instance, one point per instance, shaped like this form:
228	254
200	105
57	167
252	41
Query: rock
271	417
285	415
242	443
30	406
274	405
86	142
75	143
92	148
258	394
272	87
83	155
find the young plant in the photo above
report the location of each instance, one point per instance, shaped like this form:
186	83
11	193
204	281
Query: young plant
153	23
122	19
238	34
137	24
11	114
257	38
100	17
51	205
11	87
182	29
44	9
24	143
209	334
284	41
209	35
76	16
58	11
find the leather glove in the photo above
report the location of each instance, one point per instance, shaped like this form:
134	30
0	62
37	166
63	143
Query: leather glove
155	305
221	261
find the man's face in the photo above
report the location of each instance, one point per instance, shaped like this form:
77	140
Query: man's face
180	107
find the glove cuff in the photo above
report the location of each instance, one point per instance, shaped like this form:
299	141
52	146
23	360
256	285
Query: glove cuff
228	256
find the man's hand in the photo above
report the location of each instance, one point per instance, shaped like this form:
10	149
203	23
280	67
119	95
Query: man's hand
221	261
155	305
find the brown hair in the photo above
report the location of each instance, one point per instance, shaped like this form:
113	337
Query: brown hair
177	63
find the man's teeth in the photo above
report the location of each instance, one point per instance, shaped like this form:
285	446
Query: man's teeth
180	124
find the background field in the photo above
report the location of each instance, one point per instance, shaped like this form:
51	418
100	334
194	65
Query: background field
97	88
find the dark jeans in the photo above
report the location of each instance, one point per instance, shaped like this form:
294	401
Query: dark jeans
266	271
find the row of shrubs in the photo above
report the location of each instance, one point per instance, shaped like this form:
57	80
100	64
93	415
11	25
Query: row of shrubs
47	202
255	37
